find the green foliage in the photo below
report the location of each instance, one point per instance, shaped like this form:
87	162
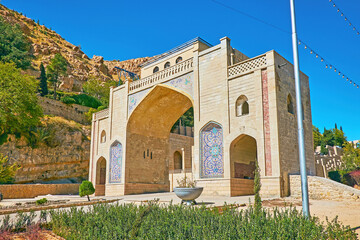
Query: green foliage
180	222
41	201
40	134
187	119
91	111
14	47
317	136
86	100
7	171
56	68
68	100
43	81
257	187
351	158
19	109
335	176
86	188
331	137
99	89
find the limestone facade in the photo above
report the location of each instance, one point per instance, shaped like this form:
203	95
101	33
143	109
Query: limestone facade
243	112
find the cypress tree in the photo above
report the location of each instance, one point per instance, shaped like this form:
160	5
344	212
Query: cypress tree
257	186
43	81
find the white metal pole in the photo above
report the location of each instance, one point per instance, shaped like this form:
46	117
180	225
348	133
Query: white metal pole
299	112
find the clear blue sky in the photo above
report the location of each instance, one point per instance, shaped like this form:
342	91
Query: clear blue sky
131	29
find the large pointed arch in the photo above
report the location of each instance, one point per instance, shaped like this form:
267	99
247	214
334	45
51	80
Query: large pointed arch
116	156
211	151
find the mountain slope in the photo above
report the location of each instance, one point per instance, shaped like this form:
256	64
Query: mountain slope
46	43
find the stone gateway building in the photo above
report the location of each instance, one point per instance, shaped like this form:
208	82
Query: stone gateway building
244	111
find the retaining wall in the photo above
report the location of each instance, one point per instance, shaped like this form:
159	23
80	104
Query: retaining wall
12	191
323	188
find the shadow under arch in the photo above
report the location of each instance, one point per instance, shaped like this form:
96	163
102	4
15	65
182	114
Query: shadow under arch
243	155
148	131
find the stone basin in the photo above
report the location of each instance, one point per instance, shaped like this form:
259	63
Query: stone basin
188	195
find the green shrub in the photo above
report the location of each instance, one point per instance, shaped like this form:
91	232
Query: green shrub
181	222
41	201
68	100
86	100
335	175
86	188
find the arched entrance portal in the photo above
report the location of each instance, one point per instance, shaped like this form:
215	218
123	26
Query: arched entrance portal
148	130
100	177
243	155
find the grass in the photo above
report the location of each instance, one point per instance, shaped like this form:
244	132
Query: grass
153	221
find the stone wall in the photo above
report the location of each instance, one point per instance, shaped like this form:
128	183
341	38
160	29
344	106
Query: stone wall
71	112
68	159
326	163
322	188
14	191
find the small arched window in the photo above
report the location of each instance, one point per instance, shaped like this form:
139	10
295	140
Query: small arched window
242	106
179	59
156	69
290	105
177	161
103	136
167	64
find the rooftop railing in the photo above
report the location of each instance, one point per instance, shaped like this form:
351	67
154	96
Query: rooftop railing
101	114
158	77
247	66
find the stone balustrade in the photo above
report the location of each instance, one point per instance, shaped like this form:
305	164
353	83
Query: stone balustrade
101	114
247	66
158	77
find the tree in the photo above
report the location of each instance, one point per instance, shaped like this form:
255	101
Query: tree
328	137
257	187
350	158
56	69
14	46
19	109
339	137
43	81
7	171
99	89
86	188
317	137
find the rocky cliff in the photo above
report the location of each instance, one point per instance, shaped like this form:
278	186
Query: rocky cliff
45	43
61	156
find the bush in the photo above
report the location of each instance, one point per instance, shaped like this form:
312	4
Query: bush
355	177
335	175
41	201
86	100
181	222
86	188
68	100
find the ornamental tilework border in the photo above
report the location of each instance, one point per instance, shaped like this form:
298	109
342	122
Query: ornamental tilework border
135	99
211	145
184	83
116	154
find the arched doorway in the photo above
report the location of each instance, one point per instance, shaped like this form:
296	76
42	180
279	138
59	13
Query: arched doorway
100	177
243	155
148	129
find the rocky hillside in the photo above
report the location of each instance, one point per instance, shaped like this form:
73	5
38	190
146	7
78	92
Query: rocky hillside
61	153
46	43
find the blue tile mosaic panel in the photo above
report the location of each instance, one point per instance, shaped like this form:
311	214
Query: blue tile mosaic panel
116	153
211	147
184	83
135	99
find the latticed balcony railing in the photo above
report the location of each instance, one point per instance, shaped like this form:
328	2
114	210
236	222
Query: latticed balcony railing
101	114
182	67
246	66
